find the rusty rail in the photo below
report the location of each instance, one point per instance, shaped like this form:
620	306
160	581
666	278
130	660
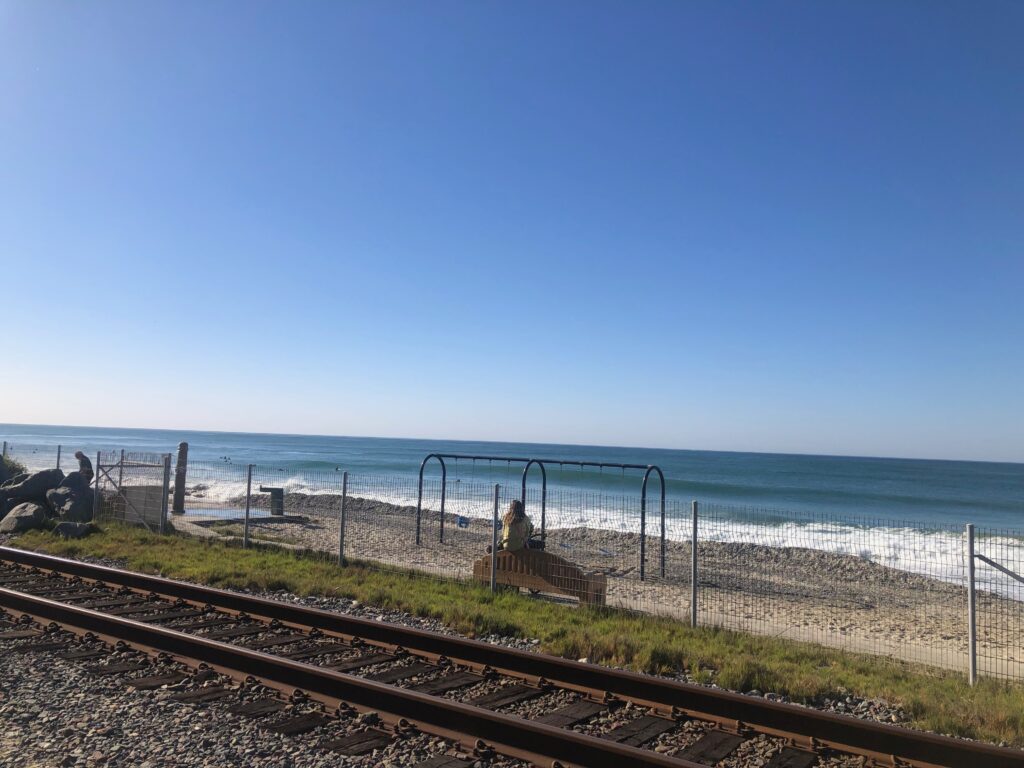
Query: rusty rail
527	740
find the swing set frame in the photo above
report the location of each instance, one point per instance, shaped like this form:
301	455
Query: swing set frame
528	463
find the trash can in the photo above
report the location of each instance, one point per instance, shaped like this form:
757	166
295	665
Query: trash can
276	499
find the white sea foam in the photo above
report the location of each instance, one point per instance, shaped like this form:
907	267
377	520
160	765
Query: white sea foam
937	554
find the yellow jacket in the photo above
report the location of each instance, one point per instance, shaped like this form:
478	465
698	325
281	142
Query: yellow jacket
515	536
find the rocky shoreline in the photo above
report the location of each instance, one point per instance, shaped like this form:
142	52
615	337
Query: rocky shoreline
47	499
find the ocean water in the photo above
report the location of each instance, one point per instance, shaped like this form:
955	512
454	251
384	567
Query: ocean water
902	512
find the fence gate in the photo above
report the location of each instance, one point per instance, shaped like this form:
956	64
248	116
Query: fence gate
133	488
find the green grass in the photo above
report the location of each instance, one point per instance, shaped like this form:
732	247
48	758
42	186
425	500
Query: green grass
937	701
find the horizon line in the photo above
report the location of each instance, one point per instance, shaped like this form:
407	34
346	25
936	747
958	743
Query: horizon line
523	442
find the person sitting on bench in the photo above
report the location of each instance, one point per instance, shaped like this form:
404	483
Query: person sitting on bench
517	530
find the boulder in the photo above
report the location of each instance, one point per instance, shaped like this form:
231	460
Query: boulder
75	481
68	504
34	486
56	498
14	480
24	517
72	530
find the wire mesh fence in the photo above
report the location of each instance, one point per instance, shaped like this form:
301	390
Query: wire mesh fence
214	500
897	589
999	600
36	457
132	488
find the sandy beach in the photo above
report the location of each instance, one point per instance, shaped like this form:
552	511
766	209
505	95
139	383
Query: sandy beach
839	601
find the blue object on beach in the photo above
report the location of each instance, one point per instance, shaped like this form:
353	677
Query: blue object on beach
462	522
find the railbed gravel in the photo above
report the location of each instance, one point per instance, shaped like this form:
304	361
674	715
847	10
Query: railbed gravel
611	719
57	714
103	721
680	738
868	709
753	752
542	705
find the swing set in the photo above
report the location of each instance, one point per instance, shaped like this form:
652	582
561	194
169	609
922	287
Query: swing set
528	463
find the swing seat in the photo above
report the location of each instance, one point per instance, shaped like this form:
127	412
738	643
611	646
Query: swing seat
541	571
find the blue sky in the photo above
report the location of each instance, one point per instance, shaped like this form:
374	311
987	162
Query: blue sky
752	226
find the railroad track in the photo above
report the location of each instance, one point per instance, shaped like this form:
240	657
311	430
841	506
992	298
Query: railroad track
374	683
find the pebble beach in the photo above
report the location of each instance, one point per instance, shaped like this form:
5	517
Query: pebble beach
804	594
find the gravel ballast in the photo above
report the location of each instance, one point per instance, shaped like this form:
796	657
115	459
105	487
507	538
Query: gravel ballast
56	714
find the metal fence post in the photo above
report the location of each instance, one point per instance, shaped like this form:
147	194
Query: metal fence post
58	457
96	490
693	568
663	537
643	535
972	627
341	519
167	490
248	501
120	472
494	540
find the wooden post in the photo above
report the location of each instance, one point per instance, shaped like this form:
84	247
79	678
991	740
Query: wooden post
180	472
58	457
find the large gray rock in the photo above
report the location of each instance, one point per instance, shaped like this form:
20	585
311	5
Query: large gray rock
76	482
72	530
68	504
24	517
56	498
14	480
34	486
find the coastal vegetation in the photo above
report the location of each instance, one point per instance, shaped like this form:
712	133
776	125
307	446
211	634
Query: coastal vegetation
806	673
10	467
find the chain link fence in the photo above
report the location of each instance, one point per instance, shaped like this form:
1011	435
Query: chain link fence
998	603
132	488
896	589
892	588
37	457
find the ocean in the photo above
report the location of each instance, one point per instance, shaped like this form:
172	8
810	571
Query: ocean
904	512
925	492
897	491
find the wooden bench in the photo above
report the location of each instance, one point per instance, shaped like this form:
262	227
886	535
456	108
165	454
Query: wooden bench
542	571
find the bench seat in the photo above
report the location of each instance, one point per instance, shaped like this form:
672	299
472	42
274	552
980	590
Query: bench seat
542	571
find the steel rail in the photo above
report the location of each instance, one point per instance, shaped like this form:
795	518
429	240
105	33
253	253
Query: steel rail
541	744
844	733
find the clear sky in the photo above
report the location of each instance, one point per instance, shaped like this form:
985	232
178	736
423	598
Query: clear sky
765	226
